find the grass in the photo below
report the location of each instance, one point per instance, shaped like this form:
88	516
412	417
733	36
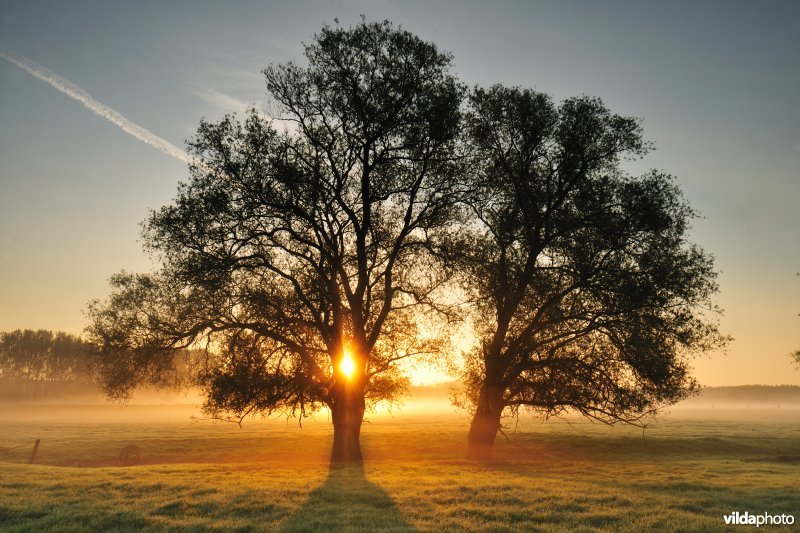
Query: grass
688	470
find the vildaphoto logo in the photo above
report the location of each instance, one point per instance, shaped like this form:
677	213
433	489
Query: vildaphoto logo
746	519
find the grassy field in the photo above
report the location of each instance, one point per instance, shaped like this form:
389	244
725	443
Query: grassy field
683	474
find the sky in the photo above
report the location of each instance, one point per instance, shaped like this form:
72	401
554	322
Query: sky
714	83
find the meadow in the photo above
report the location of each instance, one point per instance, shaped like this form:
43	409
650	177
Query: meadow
681	474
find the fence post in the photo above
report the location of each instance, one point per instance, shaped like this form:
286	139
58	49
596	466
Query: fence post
33	453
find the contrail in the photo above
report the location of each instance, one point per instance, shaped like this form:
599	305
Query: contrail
75	92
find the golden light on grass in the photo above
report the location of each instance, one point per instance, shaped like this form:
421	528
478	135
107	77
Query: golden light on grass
347	365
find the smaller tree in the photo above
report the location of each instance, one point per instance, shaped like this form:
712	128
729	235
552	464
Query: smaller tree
588	295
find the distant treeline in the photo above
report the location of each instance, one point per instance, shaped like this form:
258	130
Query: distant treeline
749	394
35	364
42	365
755	394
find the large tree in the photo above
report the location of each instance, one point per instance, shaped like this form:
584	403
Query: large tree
588	294
301	258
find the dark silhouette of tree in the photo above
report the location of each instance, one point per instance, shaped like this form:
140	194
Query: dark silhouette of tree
588	296
301	259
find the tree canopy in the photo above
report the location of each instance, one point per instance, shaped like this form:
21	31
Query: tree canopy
588	294
312	251
302	258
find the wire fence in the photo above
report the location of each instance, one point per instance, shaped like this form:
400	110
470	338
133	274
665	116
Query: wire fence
19	451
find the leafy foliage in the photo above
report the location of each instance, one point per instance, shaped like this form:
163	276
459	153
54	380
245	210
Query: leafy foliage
285	248
345	232
588	295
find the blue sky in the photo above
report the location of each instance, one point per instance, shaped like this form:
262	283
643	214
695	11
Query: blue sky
715	83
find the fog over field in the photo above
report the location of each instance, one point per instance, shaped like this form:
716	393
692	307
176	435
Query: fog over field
748	404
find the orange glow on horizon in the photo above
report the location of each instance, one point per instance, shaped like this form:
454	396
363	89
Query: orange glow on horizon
422	375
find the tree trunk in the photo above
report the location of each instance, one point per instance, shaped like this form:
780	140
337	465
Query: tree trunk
347	414
485	424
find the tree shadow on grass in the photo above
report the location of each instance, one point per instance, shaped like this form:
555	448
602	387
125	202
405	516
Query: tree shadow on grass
347	501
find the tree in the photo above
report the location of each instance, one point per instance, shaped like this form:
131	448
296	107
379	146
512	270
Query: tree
588	295
301	259
39	362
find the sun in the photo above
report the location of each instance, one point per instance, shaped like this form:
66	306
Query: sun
347	365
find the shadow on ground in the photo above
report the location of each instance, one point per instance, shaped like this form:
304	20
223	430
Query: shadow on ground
347	501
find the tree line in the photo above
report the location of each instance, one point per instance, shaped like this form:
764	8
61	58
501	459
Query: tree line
43	364
40	363
382	204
